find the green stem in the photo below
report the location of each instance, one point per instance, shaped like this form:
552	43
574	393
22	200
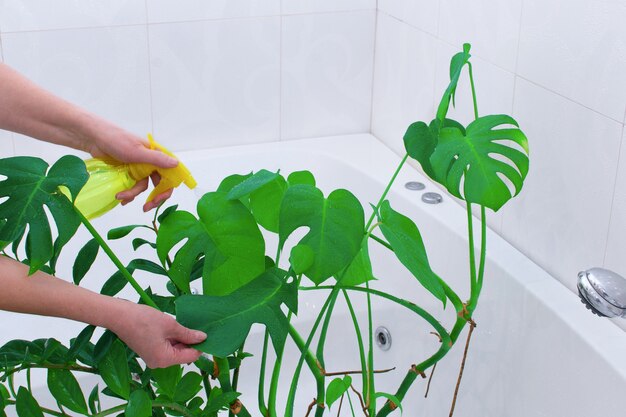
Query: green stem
120	266
181	410
323	332
49	366
45	410
470	238
371	390
471	77
382	197
206	383
359	339
305	355
477	288
261	391
314	366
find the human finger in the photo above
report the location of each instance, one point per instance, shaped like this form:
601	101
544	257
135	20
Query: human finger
129	195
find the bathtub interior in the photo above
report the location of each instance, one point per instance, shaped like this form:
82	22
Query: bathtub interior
535	352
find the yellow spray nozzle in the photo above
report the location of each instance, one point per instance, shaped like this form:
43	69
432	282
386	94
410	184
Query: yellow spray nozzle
170	177
108	177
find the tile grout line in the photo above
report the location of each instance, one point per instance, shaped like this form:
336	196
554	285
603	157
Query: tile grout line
615	180
149	70
374	54
280	74
570	100
209	19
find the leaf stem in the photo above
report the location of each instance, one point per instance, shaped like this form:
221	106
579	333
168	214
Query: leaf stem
45	410
359	339
120	266
261	391
386	191
306	355
471	77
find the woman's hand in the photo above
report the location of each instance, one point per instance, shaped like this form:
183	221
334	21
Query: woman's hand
126	147
156	337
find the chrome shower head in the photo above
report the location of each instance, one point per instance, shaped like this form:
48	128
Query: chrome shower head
603	292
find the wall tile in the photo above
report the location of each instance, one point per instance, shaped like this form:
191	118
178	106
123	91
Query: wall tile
102	70
616	244
421	14
181	10
492	27
18	15
578	51
316	6
404	75
560	219
216	83
327	74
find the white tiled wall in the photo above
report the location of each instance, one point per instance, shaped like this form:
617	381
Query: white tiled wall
199	73
558	67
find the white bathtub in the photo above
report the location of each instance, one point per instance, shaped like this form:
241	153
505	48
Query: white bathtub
536	351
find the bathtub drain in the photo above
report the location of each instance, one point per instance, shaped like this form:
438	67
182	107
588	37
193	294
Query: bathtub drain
383	338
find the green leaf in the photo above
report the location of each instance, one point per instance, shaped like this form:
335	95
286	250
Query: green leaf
30	186
114	370
360	269
227	319
301	177
16	352
120	232
392	398
231	181
84	260
139	404
114	284
219	400
4	396
228	237
456	66
252	183
139	242
94	401
26	405
167	379
265	203
337	388
479	158
81	341
335	227
166	213
65	389
301	258
189	385
103	345
406	241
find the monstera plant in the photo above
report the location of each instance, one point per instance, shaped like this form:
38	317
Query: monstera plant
222	247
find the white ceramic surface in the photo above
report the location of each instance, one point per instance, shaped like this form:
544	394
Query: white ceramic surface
189	10
615	258
491	26
6	144
561	218
577	49
403	80
216	83
104	70
29	15
536	350
423	15
317	6
327	69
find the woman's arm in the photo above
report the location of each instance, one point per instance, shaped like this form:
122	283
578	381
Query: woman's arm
30	110
156	337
